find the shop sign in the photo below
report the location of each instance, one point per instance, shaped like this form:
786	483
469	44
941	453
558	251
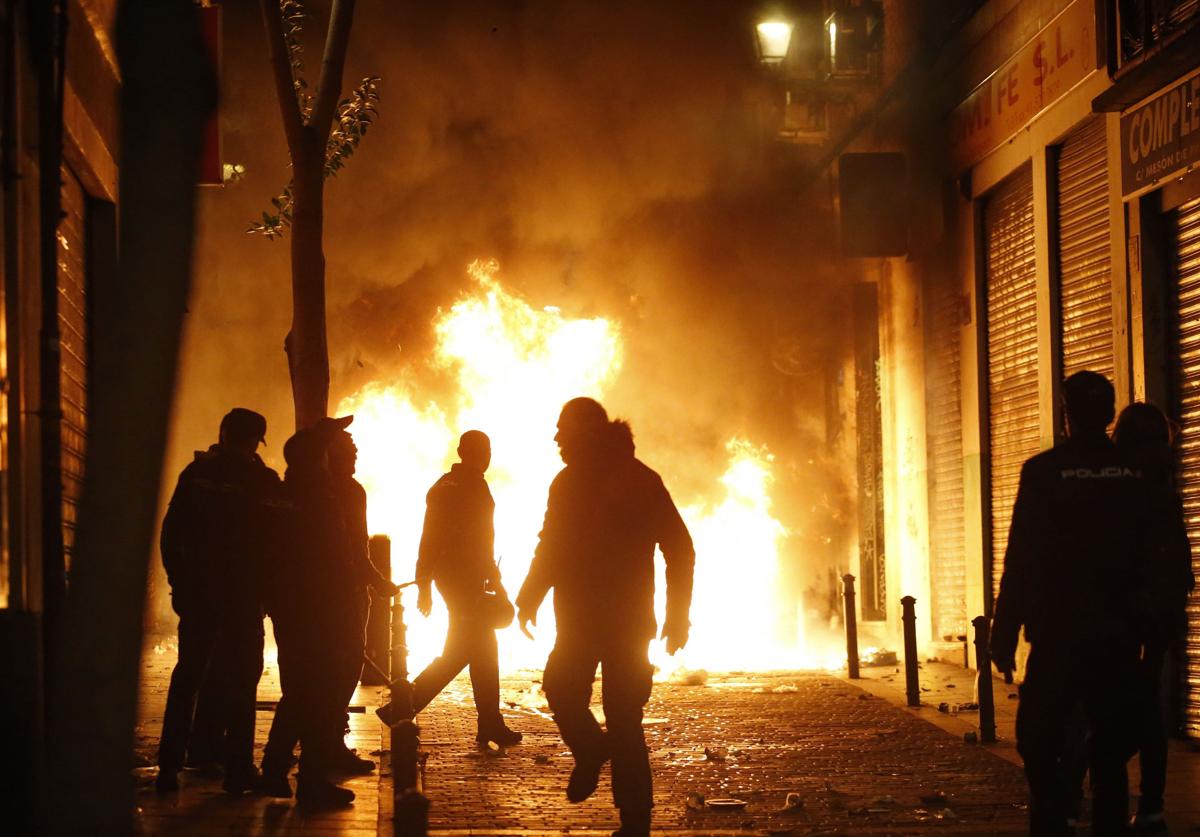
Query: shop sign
1060	56
1161	137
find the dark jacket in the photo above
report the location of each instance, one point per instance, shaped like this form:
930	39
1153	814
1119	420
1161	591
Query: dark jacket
1074	569
352	500
1168	561
216	530
313	591
458	538
604	517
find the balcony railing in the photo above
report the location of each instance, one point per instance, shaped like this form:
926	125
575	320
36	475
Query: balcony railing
1145	25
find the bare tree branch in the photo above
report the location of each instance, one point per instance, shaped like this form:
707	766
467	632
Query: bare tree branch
285	84
333	62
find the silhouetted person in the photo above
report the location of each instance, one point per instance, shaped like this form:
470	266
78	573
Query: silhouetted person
456	554
1073	578
212	540
1143	434
605	514
352	502
313	605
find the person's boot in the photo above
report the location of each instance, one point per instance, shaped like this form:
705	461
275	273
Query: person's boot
633	824
345	760
320	794
496	732
585	775
167	780
243	780
273	781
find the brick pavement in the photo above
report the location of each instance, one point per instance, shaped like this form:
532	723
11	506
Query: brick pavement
855	760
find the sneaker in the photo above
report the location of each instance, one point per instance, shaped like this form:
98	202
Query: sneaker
500	735
167	780
585	776
243	780
322	795
1154	823
274	784
346	760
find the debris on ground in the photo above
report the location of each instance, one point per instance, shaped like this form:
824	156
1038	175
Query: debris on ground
878	657
541	759
882	802
935	799
726	804
715	754
695	801
785	689
793	802
970	738
689	677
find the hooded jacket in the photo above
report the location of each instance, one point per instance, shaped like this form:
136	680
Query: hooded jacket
604	517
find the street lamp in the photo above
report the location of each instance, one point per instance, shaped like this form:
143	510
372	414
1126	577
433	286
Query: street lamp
774	38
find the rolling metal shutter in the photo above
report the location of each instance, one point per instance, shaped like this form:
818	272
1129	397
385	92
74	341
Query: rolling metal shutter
1187	356
1083	255
943	393
73	342
1012	356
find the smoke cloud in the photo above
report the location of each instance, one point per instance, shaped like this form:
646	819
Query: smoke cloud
613	156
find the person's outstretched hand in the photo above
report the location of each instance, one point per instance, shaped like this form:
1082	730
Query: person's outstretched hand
525	618
676	636
424	600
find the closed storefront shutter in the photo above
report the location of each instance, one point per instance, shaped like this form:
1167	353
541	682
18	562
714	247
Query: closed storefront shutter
1187	354
943	392
1083	267
73	341
1011	349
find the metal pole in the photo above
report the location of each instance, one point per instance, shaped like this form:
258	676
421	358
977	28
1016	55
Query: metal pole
851	627
912	685
378	627
983	679
411	817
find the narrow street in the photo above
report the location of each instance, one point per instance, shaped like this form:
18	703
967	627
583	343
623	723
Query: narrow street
807	753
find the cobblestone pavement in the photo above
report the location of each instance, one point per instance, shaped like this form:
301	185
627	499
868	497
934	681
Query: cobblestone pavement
807	753
853	763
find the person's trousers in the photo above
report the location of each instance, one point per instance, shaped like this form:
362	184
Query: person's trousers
310	709
1100	679
1152	745
626	681
469	643
222	651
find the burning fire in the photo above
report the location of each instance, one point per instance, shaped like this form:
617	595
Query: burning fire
514	367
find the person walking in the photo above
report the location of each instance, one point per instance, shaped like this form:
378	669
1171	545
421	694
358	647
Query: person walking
456	554
1073	579
605	514
1144	435
213	536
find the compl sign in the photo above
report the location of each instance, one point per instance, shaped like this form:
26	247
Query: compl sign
1059	57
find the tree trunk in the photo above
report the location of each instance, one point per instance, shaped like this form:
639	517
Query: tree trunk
167	91
306	344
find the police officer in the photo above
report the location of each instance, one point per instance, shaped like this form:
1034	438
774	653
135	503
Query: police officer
212	538
456	554
351	498
605	514
1073	578
313	607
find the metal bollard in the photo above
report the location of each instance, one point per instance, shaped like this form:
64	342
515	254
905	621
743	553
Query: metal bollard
983	679
379	617
411	808
851	627
912	684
